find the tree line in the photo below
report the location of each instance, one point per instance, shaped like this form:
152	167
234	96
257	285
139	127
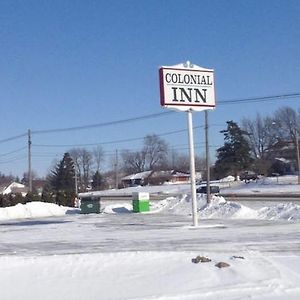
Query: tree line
256	142
246	146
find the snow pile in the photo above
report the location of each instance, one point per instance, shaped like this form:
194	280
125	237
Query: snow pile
288	211
180	205
219	208
227	179
117	208
284	180
33	210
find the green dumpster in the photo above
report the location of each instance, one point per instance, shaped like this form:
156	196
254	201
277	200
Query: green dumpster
90	205
140	202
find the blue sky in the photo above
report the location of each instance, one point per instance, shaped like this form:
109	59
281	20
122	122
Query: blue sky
75	63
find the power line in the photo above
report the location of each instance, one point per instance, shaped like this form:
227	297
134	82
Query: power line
115	141
119	141
13	138
17	158
260	99
14	151
153	115
150	116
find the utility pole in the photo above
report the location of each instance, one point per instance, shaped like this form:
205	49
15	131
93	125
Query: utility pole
29	162
76	181
207	158
298	155
173	159
76	203
116	170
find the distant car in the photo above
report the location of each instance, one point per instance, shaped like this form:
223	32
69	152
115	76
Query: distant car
248	175
275	174
214	189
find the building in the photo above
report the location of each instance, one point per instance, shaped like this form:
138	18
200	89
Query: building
136	179
155	178
14	188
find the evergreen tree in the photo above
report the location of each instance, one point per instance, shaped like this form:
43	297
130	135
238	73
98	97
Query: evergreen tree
48	194
62	181
32	196
235	155
97	181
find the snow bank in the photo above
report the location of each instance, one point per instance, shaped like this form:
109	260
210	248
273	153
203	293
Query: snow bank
266	185
178	205
288	211
220	208
228	178
33	210
117	208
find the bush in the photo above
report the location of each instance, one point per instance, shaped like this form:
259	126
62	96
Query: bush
32	197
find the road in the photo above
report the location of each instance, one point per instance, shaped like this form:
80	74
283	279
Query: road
271	198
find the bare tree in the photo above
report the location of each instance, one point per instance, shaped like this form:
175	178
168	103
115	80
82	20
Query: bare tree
75	154
156	150
287	122
262	134
181	162
98	155
269	133
83	160
152	156
133	162
87	161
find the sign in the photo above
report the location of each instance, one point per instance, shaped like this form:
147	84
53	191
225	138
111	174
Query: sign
187	87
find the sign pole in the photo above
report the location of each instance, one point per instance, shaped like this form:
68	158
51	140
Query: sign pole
188	87
207	159
192	168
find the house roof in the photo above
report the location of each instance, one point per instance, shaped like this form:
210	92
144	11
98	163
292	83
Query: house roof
38	183
170	173
13	187
141	175
155	174
283	160
180	174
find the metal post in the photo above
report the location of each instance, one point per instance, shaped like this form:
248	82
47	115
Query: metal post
192	168
29	162
207	158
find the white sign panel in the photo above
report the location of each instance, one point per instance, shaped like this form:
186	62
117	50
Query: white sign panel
187	88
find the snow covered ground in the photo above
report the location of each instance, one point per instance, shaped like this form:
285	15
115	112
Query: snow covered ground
52	252
282	185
